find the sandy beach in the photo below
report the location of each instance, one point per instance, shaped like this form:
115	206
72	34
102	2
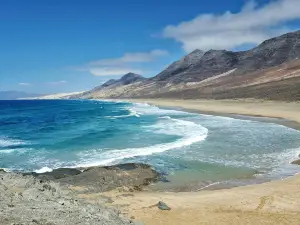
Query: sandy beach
275	202
233	108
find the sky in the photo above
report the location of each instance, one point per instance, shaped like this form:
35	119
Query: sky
55	46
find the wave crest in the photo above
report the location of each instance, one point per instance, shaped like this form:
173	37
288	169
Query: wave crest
189	133
131	112
7	142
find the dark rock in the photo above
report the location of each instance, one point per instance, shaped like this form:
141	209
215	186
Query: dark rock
49	188
99	179
163	206
56	174
296	162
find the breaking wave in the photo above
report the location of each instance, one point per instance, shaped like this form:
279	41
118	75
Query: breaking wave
188	132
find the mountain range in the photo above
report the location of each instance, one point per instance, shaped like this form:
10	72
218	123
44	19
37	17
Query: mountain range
269	71
13	95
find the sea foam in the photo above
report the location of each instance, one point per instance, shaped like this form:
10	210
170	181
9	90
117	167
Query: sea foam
44	170
8	145
6	142
188	132
131	112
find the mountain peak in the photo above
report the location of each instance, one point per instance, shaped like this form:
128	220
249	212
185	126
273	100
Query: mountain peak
124	80
130	74
196	51
131	78
181	65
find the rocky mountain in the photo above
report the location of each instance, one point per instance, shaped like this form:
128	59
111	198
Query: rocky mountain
271	70
180	66
127	79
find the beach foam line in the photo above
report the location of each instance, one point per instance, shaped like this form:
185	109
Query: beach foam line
146	109
190	133
207	186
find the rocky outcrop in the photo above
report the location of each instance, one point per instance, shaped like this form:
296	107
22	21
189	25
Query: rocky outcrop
99	179
28	200
296	162
64	195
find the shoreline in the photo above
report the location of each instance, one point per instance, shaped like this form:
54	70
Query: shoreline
282	113
231	112
271	202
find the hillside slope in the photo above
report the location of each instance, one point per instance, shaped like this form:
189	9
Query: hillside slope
269	71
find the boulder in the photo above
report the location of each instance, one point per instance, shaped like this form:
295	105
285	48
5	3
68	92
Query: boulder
296	162
163	206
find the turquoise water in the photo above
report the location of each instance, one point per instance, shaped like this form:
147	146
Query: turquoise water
42	135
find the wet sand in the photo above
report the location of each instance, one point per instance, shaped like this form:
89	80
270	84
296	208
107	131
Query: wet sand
275	202
284	113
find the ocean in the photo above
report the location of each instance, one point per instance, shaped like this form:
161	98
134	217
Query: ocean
41	135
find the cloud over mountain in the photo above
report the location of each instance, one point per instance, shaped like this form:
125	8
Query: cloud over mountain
251	25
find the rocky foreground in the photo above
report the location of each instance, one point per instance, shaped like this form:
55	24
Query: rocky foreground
52	198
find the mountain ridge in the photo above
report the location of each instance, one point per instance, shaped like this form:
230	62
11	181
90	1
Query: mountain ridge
221	74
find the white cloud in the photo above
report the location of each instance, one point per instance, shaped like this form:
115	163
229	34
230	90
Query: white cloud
24	84
129	62
138	57
251	25
111	71
56	82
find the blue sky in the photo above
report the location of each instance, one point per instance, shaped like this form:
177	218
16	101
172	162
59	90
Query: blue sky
55	46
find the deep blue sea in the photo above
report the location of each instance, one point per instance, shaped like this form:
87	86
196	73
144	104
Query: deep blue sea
40	135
